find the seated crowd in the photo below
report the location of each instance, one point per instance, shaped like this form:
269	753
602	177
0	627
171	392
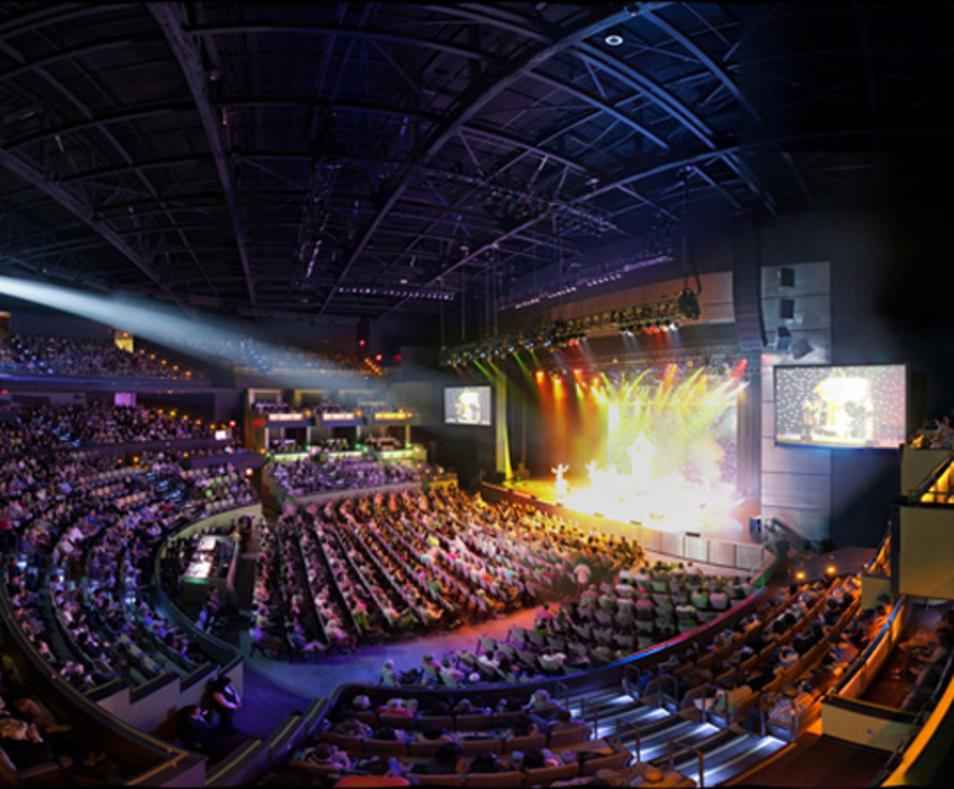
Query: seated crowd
783	656
101	423
36	353
364	569
32	737
925	661
934	434
81	534
599	623
529	737
302	477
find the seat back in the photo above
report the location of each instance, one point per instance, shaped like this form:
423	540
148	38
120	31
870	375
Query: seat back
511	779
434	722
615	761
452	779
533	742
397	721
471	747
547	775
474	722
344	741
384	747
569	736
424	748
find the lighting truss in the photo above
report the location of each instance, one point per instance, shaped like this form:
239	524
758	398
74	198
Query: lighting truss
664	315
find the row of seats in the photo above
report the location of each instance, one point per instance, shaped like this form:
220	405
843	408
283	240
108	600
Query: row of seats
49	355
426	561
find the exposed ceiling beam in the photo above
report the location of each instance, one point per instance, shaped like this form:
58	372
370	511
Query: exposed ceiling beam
305	28
170	17
469	105
84	213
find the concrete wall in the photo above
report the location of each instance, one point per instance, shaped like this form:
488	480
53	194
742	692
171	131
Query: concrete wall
925	551
796	481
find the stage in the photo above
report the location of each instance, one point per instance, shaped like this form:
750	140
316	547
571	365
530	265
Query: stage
729	545
734	527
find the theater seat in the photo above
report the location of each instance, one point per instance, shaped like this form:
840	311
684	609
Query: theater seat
513	779
524	744
615	761
471	747
452	779
384	748
547	775
569	736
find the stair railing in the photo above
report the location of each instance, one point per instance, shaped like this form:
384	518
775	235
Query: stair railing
700	758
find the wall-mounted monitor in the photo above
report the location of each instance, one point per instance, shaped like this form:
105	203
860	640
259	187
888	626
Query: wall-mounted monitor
467	405
851	406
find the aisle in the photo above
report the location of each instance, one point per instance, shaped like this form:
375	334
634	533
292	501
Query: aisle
265	704
320	679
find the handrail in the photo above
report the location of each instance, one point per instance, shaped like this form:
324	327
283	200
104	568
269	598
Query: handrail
860	661
168	755
882	548
700	757
222	652
675	685
914	494
637	733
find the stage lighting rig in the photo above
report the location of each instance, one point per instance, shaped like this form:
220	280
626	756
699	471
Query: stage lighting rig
663	315
689	304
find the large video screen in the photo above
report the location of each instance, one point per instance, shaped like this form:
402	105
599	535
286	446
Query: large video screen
841	406
467	405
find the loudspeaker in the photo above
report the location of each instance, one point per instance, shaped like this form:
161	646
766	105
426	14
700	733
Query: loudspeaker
801	347
786	309
747	290
783	339
755	528
786	278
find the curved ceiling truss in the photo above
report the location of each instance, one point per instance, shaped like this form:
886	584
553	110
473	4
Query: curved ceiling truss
334	158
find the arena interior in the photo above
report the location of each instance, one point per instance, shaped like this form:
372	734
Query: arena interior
476	394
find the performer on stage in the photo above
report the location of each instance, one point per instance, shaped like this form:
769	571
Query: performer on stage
562	486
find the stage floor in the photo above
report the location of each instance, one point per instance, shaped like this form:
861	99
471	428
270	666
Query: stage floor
734	528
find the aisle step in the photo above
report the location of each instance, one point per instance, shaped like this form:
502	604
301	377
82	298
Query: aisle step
737	760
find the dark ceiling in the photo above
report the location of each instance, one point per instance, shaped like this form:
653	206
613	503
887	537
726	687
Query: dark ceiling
363	158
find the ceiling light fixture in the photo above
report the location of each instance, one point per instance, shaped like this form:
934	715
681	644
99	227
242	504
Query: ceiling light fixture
613	40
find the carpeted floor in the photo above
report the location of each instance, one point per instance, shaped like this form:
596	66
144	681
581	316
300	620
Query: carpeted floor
822	761
266	704
320	679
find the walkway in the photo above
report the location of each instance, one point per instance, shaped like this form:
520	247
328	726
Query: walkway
821	761
321	678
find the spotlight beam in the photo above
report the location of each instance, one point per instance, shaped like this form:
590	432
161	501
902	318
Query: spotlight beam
165	325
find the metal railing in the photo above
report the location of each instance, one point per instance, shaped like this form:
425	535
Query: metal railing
915	493
663	680
700	758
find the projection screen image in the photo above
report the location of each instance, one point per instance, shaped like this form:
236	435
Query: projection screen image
467	405
841	406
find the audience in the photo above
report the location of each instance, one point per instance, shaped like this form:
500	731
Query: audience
76	356
84	529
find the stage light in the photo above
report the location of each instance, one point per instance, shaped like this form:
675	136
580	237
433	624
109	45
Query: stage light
689	304
831	569
800	575
613	40
539	375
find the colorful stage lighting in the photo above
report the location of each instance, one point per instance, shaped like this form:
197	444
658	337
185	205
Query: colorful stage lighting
539	375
